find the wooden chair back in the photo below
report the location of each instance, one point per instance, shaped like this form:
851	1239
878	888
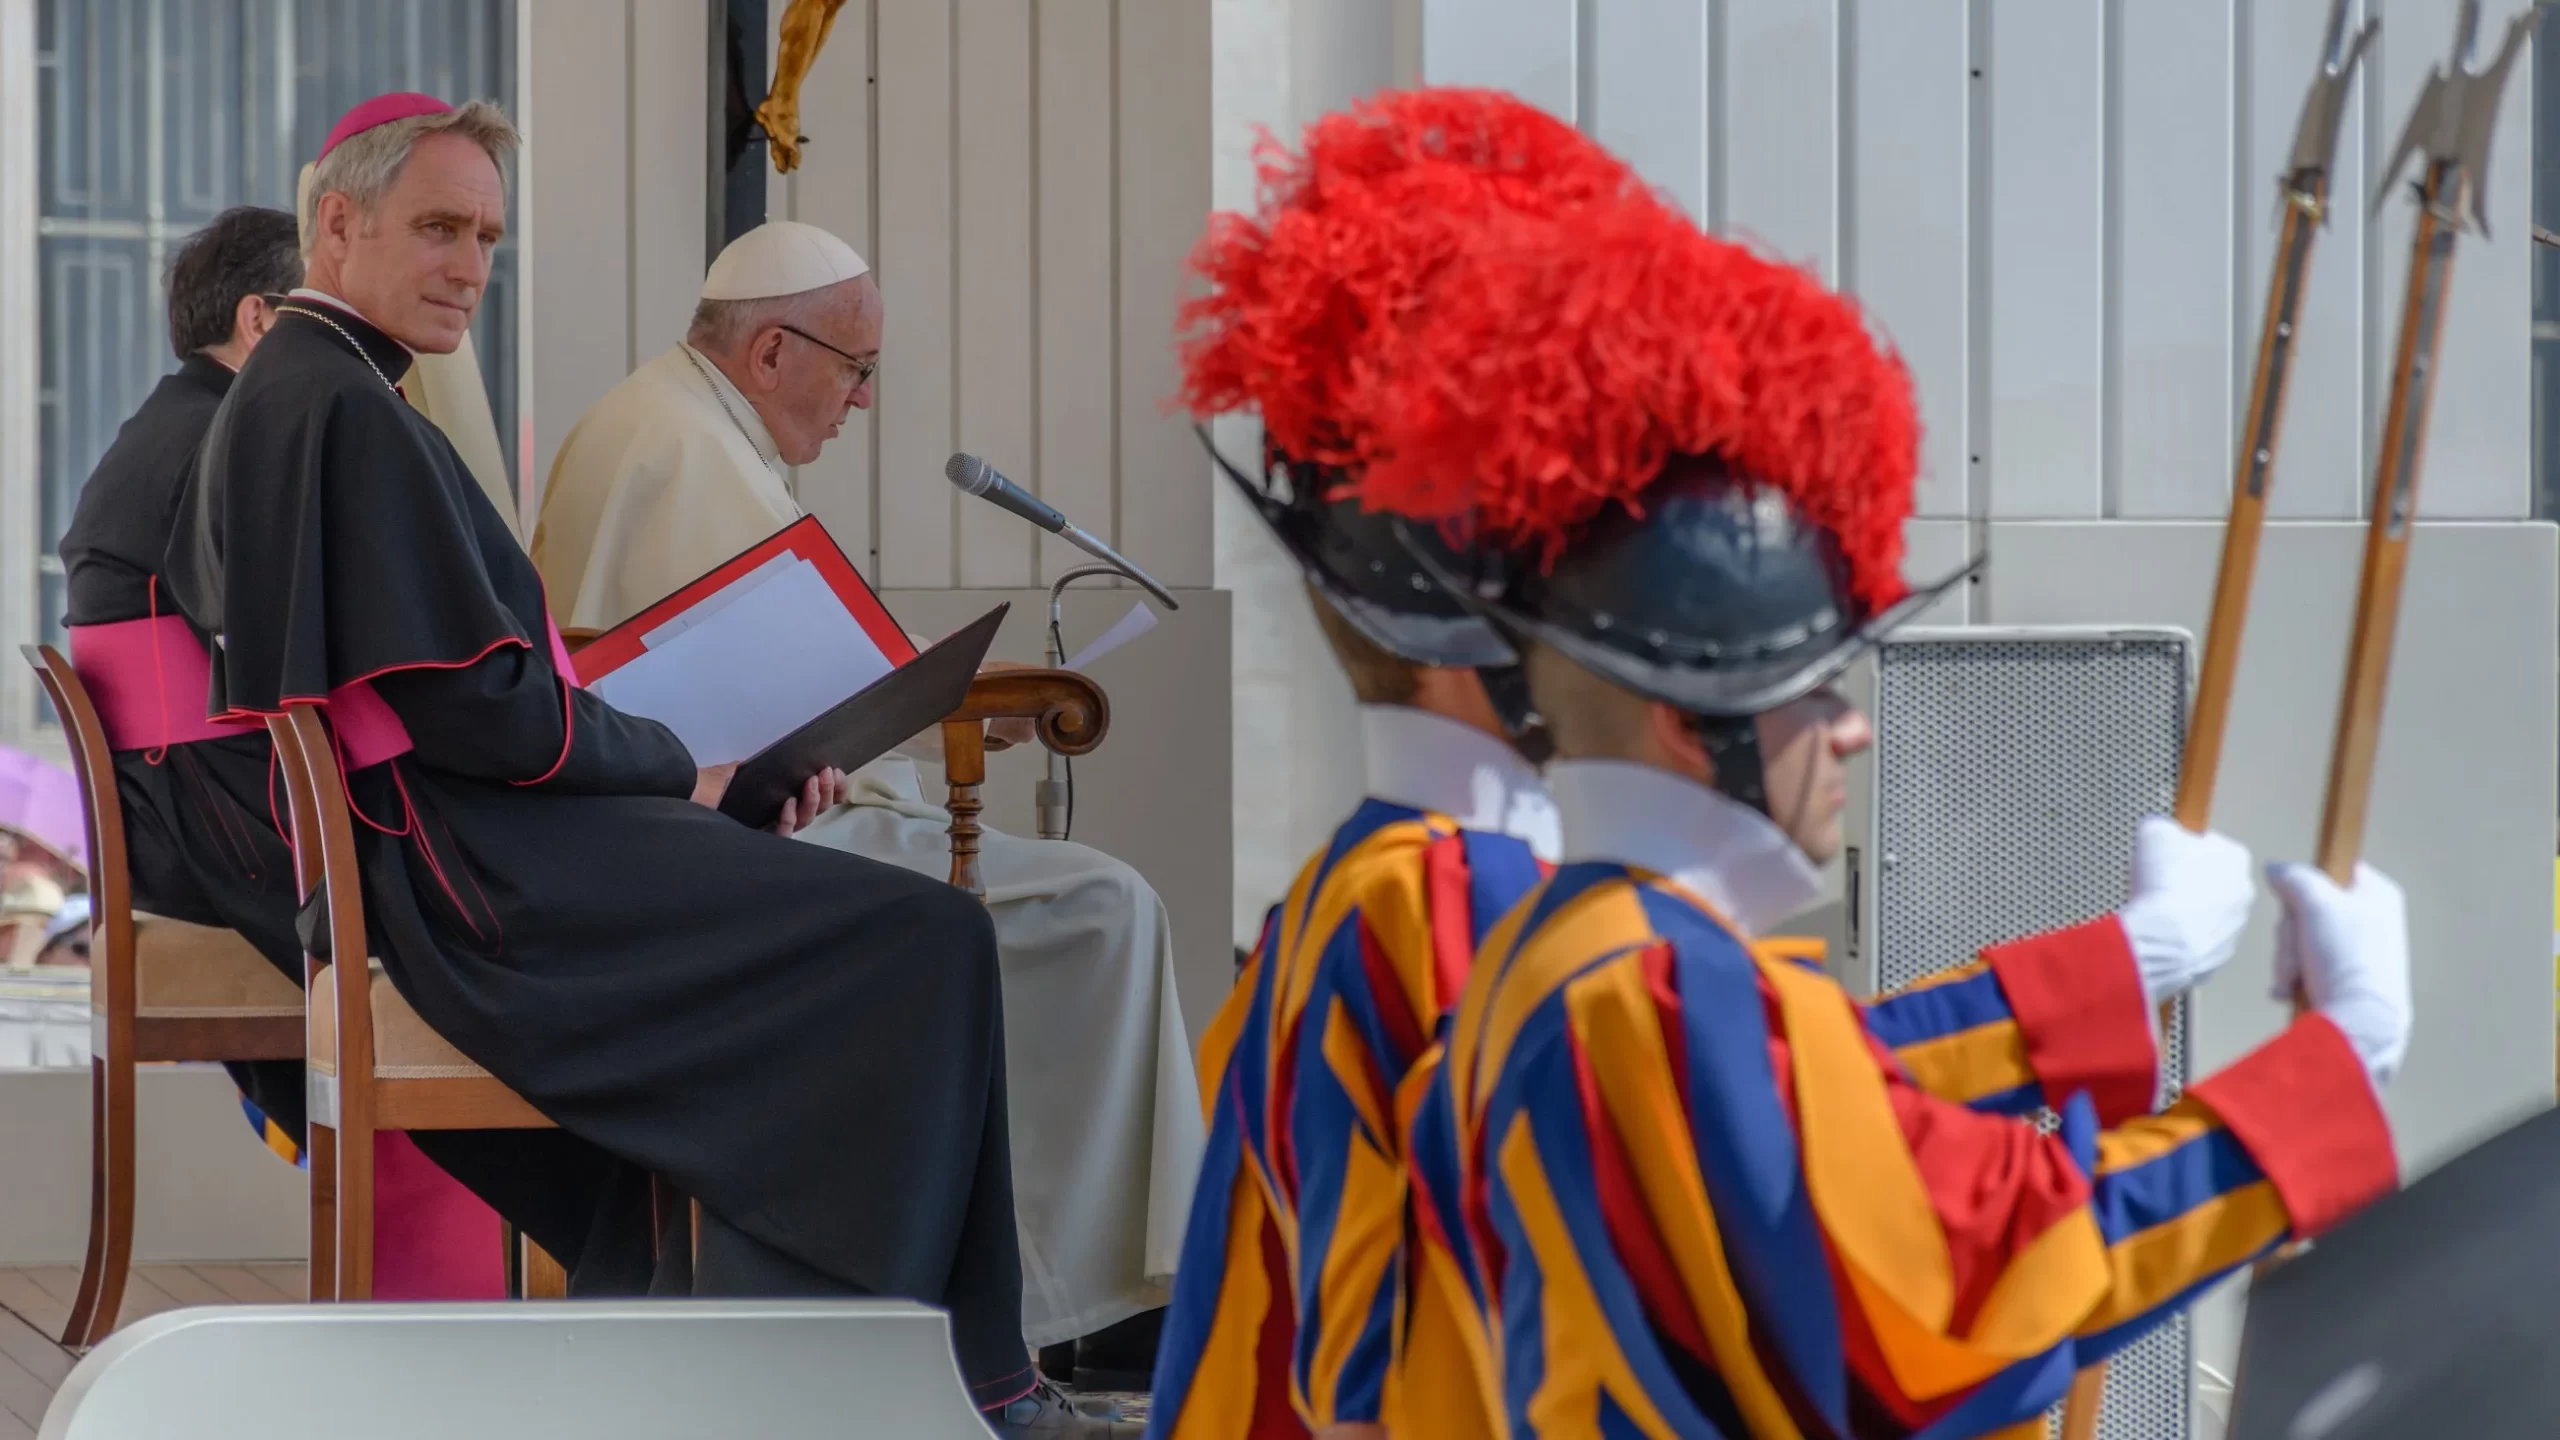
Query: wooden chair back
122	1035
324	859
351	1102
111	957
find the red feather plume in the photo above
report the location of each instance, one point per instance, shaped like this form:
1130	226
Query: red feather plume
1349	234
1563	363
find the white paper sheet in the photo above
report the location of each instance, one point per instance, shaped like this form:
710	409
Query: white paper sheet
1137	622
721	599
754	669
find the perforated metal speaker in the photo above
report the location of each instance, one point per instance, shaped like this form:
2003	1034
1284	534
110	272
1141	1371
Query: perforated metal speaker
2009	772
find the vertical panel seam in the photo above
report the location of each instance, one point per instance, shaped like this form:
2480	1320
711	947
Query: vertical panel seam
1586	66
1119	264
1719	117
1031	207
2110	298
1978	439
871	234
2243	21
951	243
2370	335
630	186
1844	130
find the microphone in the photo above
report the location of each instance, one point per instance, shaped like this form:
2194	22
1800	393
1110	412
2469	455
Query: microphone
973	476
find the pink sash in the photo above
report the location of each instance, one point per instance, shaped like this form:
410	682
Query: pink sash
149	678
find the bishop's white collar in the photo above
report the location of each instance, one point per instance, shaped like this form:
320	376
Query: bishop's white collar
742	411
305	292
1731	855
1433	763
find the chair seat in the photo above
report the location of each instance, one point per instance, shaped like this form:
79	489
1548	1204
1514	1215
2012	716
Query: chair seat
405	1047
186	971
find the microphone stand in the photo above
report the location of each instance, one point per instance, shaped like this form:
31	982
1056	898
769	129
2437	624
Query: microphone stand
1053	799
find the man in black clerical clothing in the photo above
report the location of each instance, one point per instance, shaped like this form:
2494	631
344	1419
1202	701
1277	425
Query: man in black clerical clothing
198	839
202	839
808	1043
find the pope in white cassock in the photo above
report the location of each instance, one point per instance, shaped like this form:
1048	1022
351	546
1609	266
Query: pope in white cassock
680	467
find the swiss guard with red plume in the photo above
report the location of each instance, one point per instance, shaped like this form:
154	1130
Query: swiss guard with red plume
1668	1178
1282	1313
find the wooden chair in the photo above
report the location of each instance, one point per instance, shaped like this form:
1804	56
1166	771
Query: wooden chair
159	990
375	1065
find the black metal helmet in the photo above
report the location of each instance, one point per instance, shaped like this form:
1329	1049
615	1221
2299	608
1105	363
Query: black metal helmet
1356	561
1721	599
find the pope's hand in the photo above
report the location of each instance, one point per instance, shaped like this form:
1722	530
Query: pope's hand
2347	953
2189	901
823	792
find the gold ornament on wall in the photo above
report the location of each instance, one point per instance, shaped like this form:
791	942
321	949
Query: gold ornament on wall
805	27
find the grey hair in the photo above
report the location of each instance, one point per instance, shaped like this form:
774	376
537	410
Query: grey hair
722	326
365	166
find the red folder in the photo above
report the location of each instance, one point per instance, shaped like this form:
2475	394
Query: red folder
805	538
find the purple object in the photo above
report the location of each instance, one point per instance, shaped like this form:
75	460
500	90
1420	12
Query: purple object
41	800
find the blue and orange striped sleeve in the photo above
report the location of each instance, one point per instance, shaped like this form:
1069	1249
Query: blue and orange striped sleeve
1696	1132
2031	1023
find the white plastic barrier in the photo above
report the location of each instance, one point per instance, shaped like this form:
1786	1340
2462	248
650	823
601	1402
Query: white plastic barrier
563	1370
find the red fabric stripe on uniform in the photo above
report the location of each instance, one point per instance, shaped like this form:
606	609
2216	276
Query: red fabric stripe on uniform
2302	1107
1395	1013
1274	1414
1656	963
1448	895
2077	995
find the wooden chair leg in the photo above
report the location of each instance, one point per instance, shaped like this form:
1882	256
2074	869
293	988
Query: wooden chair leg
109	1257
355	1211
544	1277
92	1263
321	1156
110	1253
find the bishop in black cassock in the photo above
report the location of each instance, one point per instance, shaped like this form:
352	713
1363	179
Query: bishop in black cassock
808	1043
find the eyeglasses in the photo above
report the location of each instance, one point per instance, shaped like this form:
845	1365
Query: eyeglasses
863	369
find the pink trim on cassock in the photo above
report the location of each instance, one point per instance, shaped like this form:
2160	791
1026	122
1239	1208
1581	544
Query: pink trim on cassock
432	1239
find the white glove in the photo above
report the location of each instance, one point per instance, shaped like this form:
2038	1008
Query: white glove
2190	900
2348	952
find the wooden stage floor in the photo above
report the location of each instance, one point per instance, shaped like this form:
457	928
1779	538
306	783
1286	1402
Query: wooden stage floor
35	1303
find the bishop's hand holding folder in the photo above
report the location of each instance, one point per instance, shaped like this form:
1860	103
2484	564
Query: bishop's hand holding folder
782	662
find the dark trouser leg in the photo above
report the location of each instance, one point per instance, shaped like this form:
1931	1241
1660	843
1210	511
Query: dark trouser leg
984	1294
733	1265
730	1264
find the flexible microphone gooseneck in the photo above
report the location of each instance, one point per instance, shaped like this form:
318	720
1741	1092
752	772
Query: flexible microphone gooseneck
973	476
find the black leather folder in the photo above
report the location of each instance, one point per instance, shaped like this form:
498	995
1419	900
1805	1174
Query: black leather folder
864	726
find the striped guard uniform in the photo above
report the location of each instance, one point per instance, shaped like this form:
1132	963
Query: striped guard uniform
1668	1182
1282	1307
